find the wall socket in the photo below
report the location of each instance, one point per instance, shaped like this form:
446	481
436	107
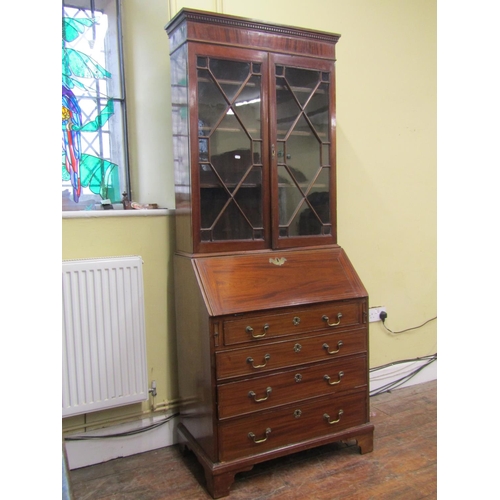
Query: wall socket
374	313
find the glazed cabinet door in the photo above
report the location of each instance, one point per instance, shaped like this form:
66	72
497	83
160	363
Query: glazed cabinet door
302	151
230	163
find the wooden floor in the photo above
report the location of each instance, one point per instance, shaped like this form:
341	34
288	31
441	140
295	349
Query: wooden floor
402	466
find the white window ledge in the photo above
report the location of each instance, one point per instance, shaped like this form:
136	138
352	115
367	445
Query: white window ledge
89	214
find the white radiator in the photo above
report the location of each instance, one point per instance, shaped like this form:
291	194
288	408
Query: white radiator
104	338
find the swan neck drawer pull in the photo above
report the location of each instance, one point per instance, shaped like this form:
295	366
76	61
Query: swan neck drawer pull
252	394
249	329
327	320
327	378
266	359
339	345
251	435
331	422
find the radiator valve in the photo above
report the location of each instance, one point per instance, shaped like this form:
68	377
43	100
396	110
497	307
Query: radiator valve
153	388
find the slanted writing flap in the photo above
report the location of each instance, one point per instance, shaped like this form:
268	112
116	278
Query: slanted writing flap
267	280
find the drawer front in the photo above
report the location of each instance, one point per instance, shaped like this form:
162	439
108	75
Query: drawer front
259	393
261	432
333	315
261	358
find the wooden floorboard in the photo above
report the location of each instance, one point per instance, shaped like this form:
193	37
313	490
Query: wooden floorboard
403	464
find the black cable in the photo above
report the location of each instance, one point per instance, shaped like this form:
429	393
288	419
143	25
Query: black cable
396	383
124	434
408	329
401	361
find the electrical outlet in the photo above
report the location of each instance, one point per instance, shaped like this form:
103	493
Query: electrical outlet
375	313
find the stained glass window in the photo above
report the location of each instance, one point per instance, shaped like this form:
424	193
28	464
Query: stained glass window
94	152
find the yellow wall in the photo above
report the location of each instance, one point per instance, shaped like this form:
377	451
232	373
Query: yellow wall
386	136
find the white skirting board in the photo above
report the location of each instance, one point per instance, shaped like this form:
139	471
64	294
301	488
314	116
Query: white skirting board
94	451
384	376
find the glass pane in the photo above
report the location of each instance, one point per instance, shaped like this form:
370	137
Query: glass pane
317	110
230	75
231	138
303	153
232	225
249	196
213	196
302	82
211	103
247	107
287	109
230	151
289	196
313	215
94	153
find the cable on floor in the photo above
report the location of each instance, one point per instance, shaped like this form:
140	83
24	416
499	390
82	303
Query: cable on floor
124	434
396	383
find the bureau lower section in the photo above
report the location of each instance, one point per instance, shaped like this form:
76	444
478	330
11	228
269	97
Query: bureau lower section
265	376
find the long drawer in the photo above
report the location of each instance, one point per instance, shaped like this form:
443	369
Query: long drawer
261	358
333	315
296	384
264	431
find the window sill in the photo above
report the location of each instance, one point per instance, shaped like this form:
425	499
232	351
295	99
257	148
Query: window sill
89	214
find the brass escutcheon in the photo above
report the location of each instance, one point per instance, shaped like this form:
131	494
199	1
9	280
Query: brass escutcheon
298	377
297	347
277	261
297	413
296	320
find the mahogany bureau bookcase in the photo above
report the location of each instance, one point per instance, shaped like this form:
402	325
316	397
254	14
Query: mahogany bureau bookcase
271	316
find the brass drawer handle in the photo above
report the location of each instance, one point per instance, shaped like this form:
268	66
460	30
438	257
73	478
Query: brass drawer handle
331	422
251	394
339	345
249	329
325	318
251	435
266	359
327	378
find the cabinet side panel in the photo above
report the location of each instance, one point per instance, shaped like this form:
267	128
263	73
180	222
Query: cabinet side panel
182	171
194	355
